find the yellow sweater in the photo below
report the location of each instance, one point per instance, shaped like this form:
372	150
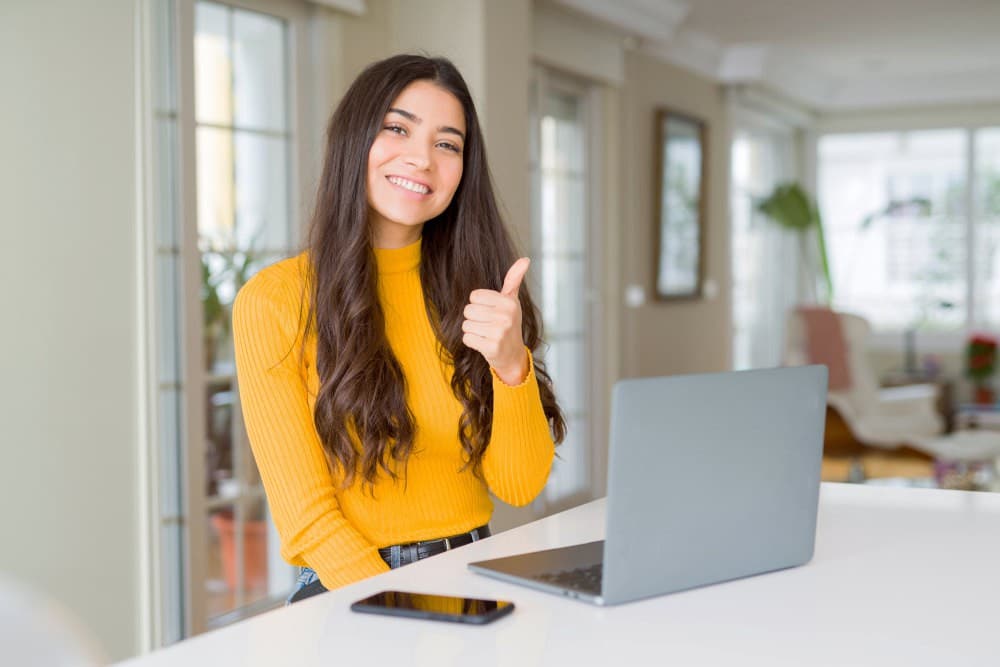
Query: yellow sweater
338	532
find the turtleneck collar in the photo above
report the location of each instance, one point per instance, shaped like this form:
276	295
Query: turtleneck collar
398	260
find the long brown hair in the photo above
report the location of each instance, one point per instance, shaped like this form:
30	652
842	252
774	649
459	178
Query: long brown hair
362	389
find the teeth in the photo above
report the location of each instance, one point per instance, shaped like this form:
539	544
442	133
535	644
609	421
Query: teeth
409	185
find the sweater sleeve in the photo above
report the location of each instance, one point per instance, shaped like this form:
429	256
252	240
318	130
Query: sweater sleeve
300	489
517	462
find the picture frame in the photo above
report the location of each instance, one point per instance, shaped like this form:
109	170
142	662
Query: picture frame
681	173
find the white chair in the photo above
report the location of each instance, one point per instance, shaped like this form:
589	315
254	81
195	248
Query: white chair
882	418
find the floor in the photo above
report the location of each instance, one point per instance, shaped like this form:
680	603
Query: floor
891	468
875	466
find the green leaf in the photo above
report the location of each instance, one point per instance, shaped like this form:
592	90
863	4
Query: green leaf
790	206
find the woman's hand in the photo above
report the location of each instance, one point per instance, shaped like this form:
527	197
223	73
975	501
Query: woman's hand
492	326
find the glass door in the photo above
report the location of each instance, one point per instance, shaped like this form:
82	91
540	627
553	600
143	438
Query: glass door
244	140
561	180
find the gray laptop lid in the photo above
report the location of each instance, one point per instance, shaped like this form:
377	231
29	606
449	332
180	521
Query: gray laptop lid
736	483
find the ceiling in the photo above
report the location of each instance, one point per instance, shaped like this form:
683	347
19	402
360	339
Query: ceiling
826	54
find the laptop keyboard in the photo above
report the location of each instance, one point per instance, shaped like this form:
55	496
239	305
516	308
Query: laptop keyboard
586	579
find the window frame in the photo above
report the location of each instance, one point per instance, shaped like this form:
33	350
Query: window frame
943	341
295	16
587	93
176	59
783	140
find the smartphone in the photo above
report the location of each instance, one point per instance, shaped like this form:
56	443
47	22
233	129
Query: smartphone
434	607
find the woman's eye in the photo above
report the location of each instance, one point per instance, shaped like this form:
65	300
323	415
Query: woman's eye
395	129
449	146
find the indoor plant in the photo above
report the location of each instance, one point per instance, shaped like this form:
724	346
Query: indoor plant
790	206
223	273
980	364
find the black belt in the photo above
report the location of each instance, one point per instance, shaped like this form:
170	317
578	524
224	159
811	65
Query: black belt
406	554
414	551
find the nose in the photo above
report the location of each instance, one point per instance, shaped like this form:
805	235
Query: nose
417	158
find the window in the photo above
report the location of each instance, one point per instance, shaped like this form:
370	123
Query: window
904	214
243	144
223	164
561	231
764	255
167	318
986	214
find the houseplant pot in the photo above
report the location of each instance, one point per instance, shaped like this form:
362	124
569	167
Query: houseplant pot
254	550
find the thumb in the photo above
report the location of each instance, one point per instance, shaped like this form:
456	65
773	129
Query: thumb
515	275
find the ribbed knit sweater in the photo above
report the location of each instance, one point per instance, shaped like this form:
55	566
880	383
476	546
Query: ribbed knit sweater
337	532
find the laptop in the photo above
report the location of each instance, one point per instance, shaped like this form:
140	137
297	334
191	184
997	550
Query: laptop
710	478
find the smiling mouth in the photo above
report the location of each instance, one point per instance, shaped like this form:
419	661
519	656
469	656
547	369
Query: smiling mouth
412	186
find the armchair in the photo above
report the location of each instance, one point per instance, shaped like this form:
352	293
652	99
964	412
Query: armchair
862	416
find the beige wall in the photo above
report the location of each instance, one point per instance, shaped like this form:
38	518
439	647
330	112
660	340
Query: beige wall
578	45
69	379
673	337
452	28
507	70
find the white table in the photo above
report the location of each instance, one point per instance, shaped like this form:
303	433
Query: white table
900	577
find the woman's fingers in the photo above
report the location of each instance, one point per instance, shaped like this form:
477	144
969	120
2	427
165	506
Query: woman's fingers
478	313
488	297
492	324
485	329
515	274
486	347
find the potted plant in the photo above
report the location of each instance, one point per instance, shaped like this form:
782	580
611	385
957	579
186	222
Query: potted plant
254	547
980	364
790	206
223	272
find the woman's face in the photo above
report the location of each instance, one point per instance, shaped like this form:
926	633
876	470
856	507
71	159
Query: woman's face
415	162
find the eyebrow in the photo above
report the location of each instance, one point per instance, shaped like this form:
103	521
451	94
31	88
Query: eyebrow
417	119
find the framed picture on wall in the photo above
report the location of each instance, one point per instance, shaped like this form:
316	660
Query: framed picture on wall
681	177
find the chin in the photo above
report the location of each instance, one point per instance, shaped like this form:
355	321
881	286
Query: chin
407	220
408	216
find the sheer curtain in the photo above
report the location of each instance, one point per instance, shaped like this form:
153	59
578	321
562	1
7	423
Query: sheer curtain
765	256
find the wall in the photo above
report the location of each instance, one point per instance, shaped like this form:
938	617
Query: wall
671	337
878	120
68	382
452	28
505	109
578	45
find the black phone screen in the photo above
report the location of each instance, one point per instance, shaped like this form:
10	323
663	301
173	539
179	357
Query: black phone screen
433	607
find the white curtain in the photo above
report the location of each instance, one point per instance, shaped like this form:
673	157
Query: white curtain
765	256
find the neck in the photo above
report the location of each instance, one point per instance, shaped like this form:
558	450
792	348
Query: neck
389	235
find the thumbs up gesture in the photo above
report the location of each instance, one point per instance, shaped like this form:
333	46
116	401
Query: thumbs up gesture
492	326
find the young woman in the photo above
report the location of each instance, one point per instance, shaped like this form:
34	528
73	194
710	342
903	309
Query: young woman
386	374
